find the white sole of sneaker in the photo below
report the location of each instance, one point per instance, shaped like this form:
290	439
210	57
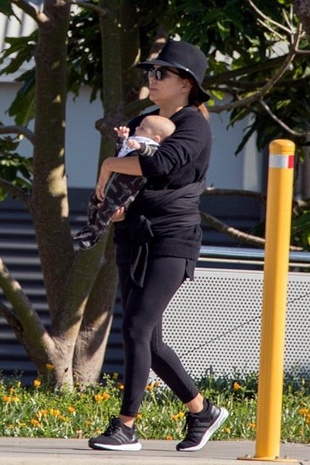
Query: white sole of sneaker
124	447
216	425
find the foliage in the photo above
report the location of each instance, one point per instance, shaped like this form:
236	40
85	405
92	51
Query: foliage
38	412
243	55
242	58
243	52
14	168
84	54
300	234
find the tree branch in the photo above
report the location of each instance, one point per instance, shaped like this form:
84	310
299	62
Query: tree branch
281	123
16	192
12	320
265	89
266	18
25	320
271	30
236	233
31	11
211	191
103	12
18	130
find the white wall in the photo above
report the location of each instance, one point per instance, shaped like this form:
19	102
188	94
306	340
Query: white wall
82	145
227	170
82	139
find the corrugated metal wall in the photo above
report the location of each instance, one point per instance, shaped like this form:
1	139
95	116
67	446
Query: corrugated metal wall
18	251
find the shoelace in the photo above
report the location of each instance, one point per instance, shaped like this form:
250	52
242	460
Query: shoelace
112	426
189	423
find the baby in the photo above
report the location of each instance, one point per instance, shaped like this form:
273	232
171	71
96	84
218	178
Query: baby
122	189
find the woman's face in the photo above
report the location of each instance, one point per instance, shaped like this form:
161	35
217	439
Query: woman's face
169	88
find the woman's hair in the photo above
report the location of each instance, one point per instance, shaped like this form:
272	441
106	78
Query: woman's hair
193	98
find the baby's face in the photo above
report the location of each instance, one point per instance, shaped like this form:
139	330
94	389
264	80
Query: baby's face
145	129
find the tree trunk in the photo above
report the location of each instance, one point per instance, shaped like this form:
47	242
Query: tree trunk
93	336
50	195
302	11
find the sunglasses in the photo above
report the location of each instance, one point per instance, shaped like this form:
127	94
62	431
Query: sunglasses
160	73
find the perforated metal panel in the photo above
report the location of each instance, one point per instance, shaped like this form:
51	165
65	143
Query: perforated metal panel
215	322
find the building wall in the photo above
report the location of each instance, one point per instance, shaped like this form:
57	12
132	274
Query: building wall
82	140
82	145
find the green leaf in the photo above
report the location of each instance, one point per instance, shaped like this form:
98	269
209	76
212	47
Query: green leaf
218	94
23	106
6	8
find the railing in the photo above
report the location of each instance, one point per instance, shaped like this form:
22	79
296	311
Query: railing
250	256
214	322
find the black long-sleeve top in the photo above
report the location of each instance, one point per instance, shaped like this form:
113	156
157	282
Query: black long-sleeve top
169	200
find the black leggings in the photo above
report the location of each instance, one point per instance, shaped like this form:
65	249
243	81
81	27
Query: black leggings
142	332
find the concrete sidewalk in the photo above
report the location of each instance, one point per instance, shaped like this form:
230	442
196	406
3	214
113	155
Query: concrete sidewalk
24	451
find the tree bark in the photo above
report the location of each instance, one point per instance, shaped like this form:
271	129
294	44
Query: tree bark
302	11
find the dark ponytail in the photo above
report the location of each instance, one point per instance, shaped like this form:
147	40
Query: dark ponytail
194	97
194	100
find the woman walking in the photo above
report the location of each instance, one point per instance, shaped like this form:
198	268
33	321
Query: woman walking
158	244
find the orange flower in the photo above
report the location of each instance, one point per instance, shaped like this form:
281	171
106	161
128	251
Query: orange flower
54	412
236	386
100	397
35	422
303	411
71	409
7	399
169	438
36	383
252	425
49	367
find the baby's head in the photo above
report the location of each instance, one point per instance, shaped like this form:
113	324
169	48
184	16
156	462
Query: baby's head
155	127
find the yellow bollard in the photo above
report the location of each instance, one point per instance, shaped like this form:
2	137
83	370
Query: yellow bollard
278	227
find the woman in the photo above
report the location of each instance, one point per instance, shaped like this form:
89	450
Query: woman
158	245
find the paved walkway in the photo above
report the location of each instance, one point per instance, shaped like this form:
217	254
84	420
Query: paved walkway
22	451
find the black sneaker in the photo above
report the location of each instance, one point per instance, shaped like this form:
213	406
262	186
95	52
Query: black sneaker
116	437
200	428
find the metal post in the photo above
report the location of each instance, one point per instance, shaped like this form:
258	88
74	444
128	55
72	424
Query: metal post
278	227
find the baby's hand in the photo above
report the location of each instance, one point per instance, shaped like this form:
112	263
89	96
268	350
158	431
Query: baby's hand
133	144
122	131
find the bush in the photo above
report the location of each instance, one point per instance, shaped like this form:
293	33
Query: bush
82	413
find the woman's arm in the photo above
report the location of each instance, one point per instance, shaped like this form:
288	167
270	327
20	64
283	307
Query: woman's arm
124	165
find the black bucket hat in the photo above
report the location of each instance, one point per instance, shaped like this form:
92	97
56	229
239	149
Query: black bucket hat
184	56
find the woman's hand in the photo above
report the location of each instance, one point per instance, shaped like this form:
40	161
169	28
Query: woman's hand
119	215
104	176
123	165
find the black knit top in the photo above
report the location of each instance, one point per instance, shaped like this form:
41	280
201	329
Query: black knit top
167	206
